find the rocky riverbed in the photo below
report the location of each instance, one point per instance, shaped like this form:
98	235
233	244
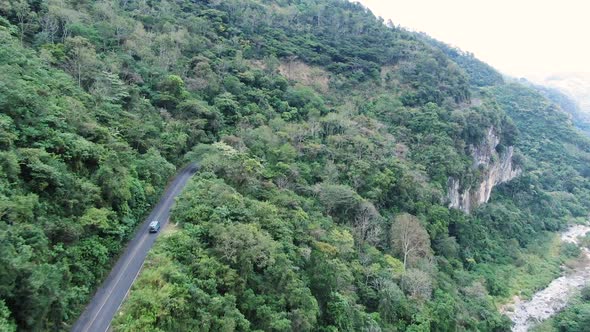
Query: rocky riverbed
554	297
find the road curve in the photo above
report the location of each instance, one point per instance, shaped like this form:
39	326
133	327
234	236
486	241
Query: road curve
104	305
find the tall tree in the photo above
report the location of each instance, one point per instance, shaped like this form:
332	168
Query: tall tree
81	59
409	238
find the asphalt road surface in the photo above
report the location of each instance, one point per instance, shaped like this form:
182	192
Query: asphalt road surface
100	311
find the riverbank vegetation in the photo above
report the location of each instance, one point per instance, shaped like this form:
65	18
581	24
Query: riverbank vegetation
574	318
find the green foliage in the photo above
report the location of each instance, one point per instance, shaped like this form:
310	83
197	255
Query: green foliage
480	74
229	249
288	225
6	323
576	317
71	189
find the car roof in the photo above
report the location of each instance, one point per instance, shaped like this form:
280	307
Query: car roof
153	223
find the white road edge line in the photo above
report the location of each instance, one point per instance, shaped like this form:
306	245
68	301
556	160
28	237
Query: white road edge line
126	294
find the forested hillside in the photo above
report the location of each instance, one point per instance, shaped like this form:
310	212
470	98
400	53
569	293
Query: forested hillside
327	141
580	118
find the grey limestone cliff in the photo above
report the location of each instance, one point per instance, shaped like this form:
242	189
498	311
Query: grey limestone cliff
497	168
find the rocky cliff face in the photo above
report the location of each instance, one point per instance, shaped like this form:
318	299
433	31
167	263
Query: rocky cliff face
497	168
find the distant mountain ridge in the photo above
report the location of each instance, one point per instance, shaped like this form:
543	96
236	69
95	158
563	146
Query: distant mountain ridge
571	91
575	85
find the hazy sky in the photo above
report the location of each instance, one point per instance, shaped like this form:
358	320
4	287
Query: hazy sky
518	37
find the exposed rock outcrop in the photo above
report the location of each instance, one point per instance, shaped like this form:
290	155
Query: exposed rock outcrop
497	168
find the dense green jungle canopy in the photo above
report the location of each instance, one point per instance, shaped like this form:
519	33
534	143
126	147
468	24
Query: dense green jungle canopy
327	140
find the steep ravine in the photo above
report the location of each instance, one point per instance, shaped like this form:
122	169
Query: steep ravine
555	296
497	168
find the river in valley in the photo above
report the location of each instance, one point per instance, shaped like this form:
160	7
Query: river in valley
555	296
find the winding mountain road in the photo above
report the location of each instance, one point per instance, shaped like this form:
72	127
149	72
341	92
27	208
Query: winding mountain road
104	305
